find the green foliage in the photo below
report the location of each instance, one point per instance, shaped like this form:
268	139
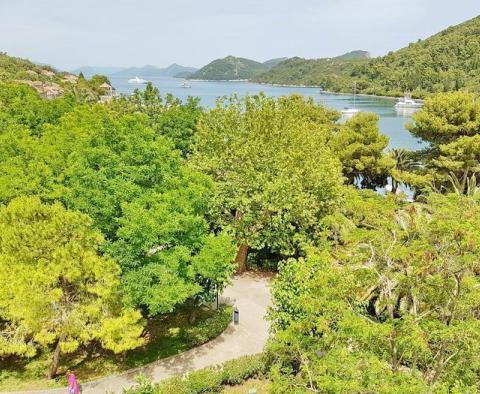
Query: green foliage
360	147
404	165
167	115
139	192
241	369
447	61
275	175
449	123
331	74
392	307
230	68
208	380
20	104
209	328
57	290
16	68
48	81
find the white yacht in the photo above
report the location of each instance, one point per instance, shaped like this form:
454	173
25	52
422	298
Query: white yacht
185	84
137	80
349	112
408	102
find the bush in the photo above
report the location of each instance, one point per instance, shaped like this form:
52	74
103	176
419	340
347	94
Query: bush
209	380
243	368
209	328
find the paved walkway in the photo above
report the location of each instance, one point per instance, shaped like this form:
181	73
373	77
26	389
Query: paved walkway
250	293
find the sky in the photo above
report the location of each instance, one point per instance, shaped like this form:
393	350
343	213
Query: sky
68	34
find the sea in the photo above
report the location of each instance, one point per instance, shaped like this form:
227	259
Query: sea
392	123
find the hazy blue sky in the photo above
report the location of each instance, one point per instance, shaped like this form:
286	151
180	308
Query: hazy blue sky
69	33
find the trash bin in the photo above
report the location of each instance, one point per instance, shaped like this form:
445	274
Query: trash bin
236	316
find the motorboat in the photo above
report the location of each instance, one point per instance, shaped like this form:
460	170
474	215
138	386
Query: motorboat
185	84
408	102
137	80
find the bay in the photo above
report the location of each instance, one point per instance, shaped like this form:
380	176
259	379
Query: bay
391	123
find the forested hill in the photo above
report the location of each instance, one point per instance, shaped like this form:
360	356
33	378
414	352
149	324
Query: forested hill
330	73
449	60
46	80
231	68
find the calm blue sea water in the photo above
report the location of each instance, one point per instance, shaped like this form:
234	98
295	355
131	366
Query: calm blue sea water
391	123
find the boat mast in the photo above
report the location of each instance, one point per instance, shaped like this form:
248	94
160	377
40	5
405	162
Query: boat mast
354	95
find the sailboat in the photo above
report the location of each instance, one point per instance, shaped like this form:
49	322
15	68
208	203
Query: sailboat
354	110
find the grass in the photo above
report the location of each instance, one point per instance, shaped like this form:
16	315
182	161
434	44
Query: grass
261	385
165	336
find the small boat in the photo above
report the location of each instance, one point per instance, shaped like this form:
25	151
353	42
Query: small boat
352	111
408	102
185	84
137	80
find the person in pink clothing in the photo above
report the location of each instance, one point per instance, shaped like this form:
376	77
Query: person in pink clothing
73	387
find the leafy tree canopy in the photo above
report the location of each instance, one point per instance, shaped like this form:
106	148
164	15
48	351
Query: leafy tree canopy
393	307
275	175
360	147
57	289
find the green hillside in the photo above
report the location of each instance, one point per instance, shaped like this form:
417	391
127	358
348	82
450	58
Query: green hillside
273	62
230	68
449	60
47	81
354	55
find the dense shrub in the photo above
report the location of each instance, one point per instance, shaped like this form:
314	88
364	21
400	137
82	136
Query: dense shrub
244	368
209	328
209	380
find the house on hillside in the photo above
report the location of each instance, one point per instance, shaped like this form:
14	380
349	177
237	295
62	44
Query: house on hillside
51	90
48	73
109	92
48	90
70	78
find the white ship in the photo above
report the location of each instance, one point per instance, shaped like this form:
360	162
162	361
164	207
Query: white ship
408	102
185	84
137	80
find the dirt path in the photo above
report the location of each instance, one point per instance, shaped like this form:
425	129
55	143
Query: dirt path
250	293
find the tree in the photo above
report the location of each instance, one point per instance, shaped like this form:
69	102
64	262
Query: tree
57	291
449	123
392	307
168	116
22	105
275	176
166	252
360	147
404	165
140	193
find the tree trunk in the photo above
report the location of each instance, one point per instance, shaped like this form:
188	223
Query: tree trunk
193	315
241	258
56	358
394	186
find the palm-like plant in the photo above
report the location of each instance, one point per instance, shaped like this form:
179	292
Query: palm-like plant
465	185
404	162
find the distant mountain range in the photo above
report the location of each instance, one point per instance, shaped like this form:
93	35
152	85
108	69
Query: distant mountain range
234	68
89	71
148	71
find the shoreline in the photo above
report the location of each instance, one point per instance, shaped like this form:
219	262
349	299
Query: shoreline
283	85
